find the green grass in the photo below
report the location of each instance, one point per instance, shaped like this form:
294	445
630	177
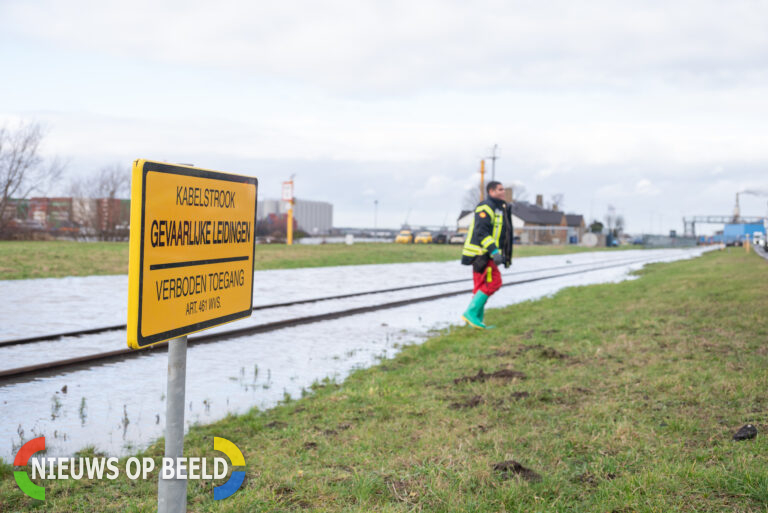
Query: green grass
631	394
21	260
38	259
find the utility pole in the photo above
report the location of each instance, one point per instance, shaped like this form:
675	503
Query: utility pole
375	212
493	158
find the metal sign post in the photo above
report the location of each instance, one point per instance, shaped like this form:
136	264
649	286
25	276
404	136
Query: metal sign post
190	268
172	493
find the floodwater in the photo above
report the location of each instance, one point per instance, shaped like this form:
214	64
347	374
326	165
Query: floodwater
119	407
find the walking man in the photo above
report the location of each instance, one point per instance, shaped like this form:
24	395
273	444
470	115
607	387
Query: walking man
488	244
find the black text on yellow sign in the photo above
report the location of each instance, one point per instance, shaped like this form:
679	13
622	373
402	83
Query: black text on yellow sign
191	250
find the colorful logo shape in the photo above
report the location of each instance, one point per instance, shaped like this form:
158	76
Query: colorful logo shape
238	476
22	478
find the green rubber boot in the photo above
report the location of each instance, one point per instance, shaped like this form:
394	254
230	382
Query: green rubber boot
482	319
474	313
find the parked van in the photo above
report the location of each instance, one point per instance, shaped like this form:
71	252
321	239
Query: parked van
404	237
423	238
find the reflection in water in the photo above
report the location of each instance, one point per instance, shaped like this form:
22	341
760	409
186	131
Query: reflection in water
82	412
55	407
125	420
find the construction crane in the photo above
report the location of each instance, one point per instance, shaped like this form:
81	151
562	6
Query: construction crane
737	209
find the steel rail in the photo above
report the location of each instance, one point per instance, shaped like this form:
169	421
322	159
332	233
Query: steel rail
104	329
272	326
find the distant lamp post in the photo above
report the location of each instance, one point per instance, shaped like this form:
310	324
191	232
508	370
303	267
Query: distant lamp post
375	212
288	197
493	158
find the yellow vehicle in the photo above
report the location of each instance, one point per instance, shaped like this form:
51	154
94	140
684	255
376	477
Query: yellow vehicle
404	237
423	238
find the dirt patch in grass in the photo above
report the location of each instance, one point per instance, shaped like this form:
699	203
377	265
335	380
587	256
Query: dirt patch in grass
553	354
472	402
510	468
588	478
505	374
545	352
284	491
404	490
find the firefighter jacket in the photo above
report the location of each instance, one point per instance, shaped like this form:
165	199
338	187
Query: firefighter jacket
490	229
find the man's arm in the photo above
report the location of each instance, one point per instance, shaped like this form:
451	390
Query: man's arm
509	236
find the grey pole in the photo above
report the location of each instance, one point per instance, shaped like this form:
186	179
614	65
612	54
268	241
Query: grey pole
172	493
493	162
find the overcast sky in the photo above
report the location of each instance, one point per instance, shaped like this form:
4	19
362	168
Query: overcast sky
657	108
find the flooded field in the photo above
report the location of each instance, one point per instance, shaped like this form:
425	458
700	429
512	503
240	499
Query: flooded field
119	407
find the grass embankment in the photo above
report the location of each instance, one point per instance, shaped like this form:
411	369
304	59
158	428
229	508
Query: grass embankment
627	401
20	260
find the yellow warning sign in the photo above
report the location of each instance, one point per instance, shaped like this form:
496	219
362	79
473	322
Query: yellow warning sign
191	250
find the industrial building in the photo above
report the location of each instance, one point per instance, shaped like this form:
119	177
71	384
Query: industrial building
102	218
312	217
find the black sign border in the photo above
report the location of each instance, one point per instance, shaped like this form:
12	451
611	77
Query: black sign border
149	166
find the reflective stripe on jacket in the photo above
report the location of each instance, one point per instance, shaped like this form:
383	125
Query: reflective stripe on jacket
485	229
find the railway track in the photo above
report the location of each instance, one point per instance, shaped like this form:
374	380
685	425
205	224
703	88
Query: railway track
118	327
120	354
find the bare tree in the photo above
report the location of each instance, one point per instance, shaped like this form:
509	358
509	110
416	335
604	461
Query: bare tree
557	201
114	181
614	222
471	198
92	197
519	192
619	225
23	171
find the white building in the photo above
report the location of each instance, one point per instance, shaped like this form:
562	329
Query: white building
313	217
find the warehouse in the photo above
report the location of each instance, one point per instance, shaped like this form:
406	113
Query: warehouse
312	217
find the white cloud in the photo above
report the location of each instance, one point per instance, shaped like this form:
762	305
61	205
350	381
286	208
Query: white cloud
611	192
646	188
400	45
437	186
